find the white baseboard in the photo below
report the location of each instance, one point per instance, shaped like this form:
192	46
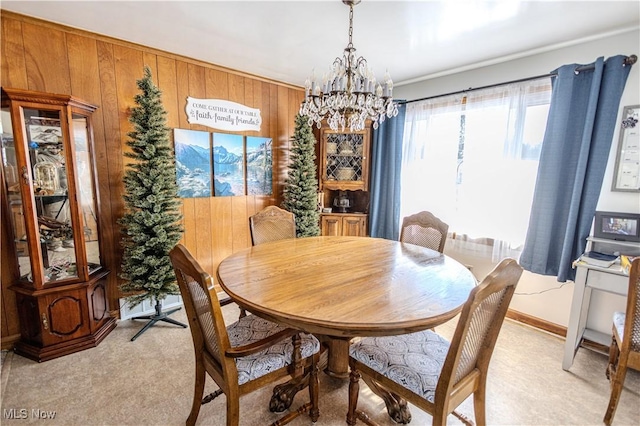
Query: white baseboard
147	307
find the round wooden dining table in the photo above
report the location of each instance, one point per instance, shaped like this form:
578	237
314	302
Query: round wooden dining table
343	287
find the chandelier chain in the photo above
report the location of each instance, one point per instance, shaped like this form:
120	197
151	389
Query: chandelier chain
350	45
348	96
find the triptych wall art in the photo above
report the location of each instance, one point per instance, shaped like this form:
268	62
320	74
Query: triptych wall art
222	164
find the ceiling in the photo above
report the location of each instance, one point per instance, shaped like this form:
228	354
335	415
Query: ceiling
287	40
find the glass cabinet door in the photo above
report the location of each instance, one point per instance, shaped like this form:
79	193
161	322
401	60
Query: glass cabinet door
47	165
47	155
344	163
12	173
344	154
85	191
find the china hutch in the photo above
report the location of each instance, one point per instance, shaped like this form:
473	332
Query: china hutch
344	181
50	196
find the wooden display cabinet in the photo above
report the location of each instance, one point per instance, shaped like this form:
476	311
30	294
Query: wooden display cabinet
344	175
50	196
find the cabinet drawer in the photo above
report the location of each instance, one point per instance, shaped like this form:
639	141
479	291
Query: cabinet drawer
344	224
331	226
613	283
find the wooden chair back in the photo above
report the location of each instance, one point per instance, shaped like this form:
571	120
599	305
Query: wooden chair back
271	224
206	322
467	362
424	229
624	351
632	316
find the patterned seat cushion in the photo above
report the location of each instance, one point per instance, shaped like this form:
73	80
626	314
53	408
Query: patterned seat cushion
411	360
618	323
250	329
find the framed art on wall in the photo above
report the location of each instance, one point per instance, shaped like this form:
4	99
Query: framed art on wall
259	166
627	167
228	164
193	163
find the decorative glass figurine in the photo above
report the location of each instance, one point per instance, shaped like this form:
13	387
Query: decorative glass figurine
46	181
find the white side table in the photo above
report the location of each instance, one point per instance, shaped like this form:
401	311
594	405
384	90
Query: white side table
588	278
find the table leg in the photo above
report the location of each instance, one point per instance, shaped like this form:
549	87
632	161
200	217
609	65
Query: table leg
338	362
284	393
577	317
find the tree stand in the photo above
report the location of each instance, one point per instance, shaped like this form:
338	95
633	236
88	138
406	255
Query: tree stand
158	316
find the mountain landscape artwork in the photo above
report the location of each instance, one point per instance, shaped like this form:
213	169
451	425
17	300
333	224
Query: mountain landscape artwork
259	166
228	165
193	163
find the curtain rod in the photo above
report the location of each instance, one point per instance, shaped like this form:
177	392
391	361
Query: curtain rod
630	60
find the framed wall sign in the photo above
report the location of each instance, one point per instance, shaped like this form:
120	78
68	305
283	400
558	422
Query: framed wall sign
223	115
627	167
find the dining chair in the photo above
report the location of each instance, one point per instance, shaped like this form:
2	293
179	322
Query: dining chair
244	356
424	229
624	351
428	371
271	224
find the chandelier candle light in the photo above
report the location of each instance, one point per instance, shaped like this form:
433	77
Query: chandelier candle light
349	92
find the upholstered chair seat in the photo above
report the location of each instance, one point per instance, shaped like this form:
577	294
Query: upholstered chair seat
251	329
413	361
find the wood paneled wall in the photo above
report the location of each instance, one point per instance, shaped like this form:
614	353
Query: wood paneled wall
43	56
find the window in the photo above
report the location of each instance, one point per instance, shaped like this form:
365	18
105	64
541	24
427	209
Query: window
471	159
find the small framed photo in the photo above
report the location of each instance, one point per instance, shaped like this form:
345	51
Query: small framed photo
617	226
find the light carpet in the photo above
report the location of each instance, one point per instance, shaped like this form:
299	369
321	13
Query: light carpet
150	382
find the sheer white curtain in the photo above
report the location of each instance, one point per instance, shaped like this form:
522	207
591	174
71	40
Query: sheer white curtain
472	160
429	158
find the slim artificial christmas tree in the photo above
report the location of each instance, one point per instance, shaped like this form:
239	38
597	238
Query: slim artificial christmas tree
301	186
150	224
